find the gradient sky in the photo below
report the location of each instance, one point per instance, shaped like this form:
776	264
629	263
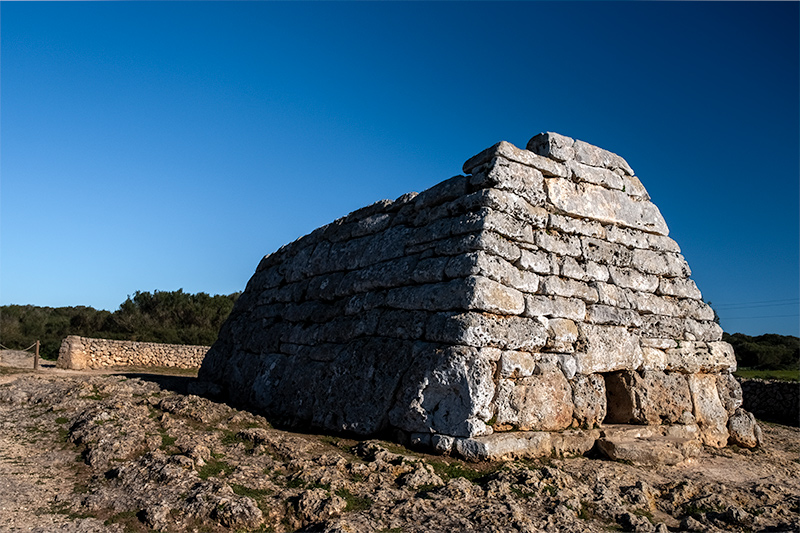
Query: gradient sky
157	146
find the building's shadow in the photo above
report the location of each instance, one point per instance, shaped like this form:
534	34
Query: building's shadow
178	384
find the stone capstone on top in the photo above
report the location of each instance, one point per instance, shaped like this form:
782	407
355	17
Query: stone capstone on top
540	291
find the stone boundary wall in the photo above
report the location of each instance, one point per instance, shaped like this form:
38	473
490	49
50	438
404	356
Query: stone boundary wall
78	353
773	401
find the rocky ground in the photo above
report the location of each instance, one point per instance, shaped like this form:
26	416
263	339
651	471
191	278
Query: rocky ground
84	452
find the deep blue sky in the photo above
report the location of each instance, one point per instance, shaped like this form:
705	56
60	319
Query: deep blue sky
156	146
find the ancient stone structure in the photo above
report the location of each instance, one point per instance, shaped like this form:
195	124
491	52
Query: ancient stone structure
537	292
78	353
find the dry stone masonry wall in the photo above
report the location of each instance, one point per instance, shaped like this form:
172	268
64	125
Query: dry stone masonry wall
540	291
79	353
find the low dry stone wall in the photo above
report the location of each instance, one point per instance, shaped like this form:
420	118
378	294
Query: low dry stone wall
774	401
79	353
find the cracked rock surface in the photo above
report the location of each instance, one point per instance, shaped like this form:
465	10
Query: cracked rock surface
86	453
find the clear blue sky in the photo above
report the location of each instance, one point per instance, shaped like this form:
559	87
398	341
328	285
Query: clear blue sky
157	146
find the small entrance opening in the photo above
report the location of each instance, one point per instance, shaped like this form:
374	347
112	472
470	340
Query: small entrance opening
619	401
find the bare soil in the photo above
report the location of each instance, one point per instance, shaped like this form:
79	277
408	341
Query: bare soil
132	451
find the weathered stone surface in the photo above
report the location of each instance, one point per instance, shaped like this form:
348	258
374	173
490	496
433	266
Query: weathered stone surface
556	307
517	295
493	267
649	451
541	402
604	205
569	288
500	446
730	392
650	397
538	261
595	175
510	152
744	430
485	330
552	145
561	335
447	392
709	410
515	364
607	349
589	400
692	357
598	157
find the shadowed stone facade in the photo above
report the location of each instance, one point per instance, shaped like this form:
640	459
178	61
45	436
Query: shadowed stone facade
539	291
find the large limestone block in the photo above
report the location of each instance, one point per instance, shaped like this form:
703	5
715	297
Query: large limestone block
607	349
649	397
508	151
709	411
521	179
474	292
556	307
505	446
514	364
598	157
692	357
486	330
553	145
656	450
72	354
744	430
561	335
447	391
605	205
730	392
589	400
493	267
298	391
539	402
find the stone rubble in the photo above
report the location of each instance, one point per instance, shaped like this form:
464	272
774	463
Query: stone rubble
539	291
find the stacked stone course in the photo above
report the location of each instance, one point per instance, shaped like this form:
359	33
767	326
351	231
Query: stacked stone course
77	353
539	291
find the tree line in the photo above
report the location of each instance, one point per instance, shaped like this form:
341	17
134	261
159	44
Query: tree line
173	317
765	352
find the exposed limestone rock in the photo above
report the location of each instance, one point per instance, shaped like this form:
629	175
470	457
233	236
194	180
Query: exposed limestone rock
538	292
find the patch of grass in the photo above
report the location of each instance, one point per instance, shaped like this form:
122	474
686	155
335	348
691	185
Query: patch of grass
62	420
213	468
448	471
232	438
166	440
124	518
550	489
97	396
354	503
645	513
257	495
693	509
782	375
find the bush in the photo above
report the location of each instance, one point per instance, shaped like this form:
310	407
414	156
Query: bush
172	317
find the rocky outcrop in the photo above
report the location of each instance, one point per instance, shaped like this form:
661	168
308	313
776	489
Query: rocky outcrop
538	291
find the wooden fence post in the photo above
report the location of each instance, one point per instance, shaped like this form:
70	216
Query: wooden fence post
36	357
